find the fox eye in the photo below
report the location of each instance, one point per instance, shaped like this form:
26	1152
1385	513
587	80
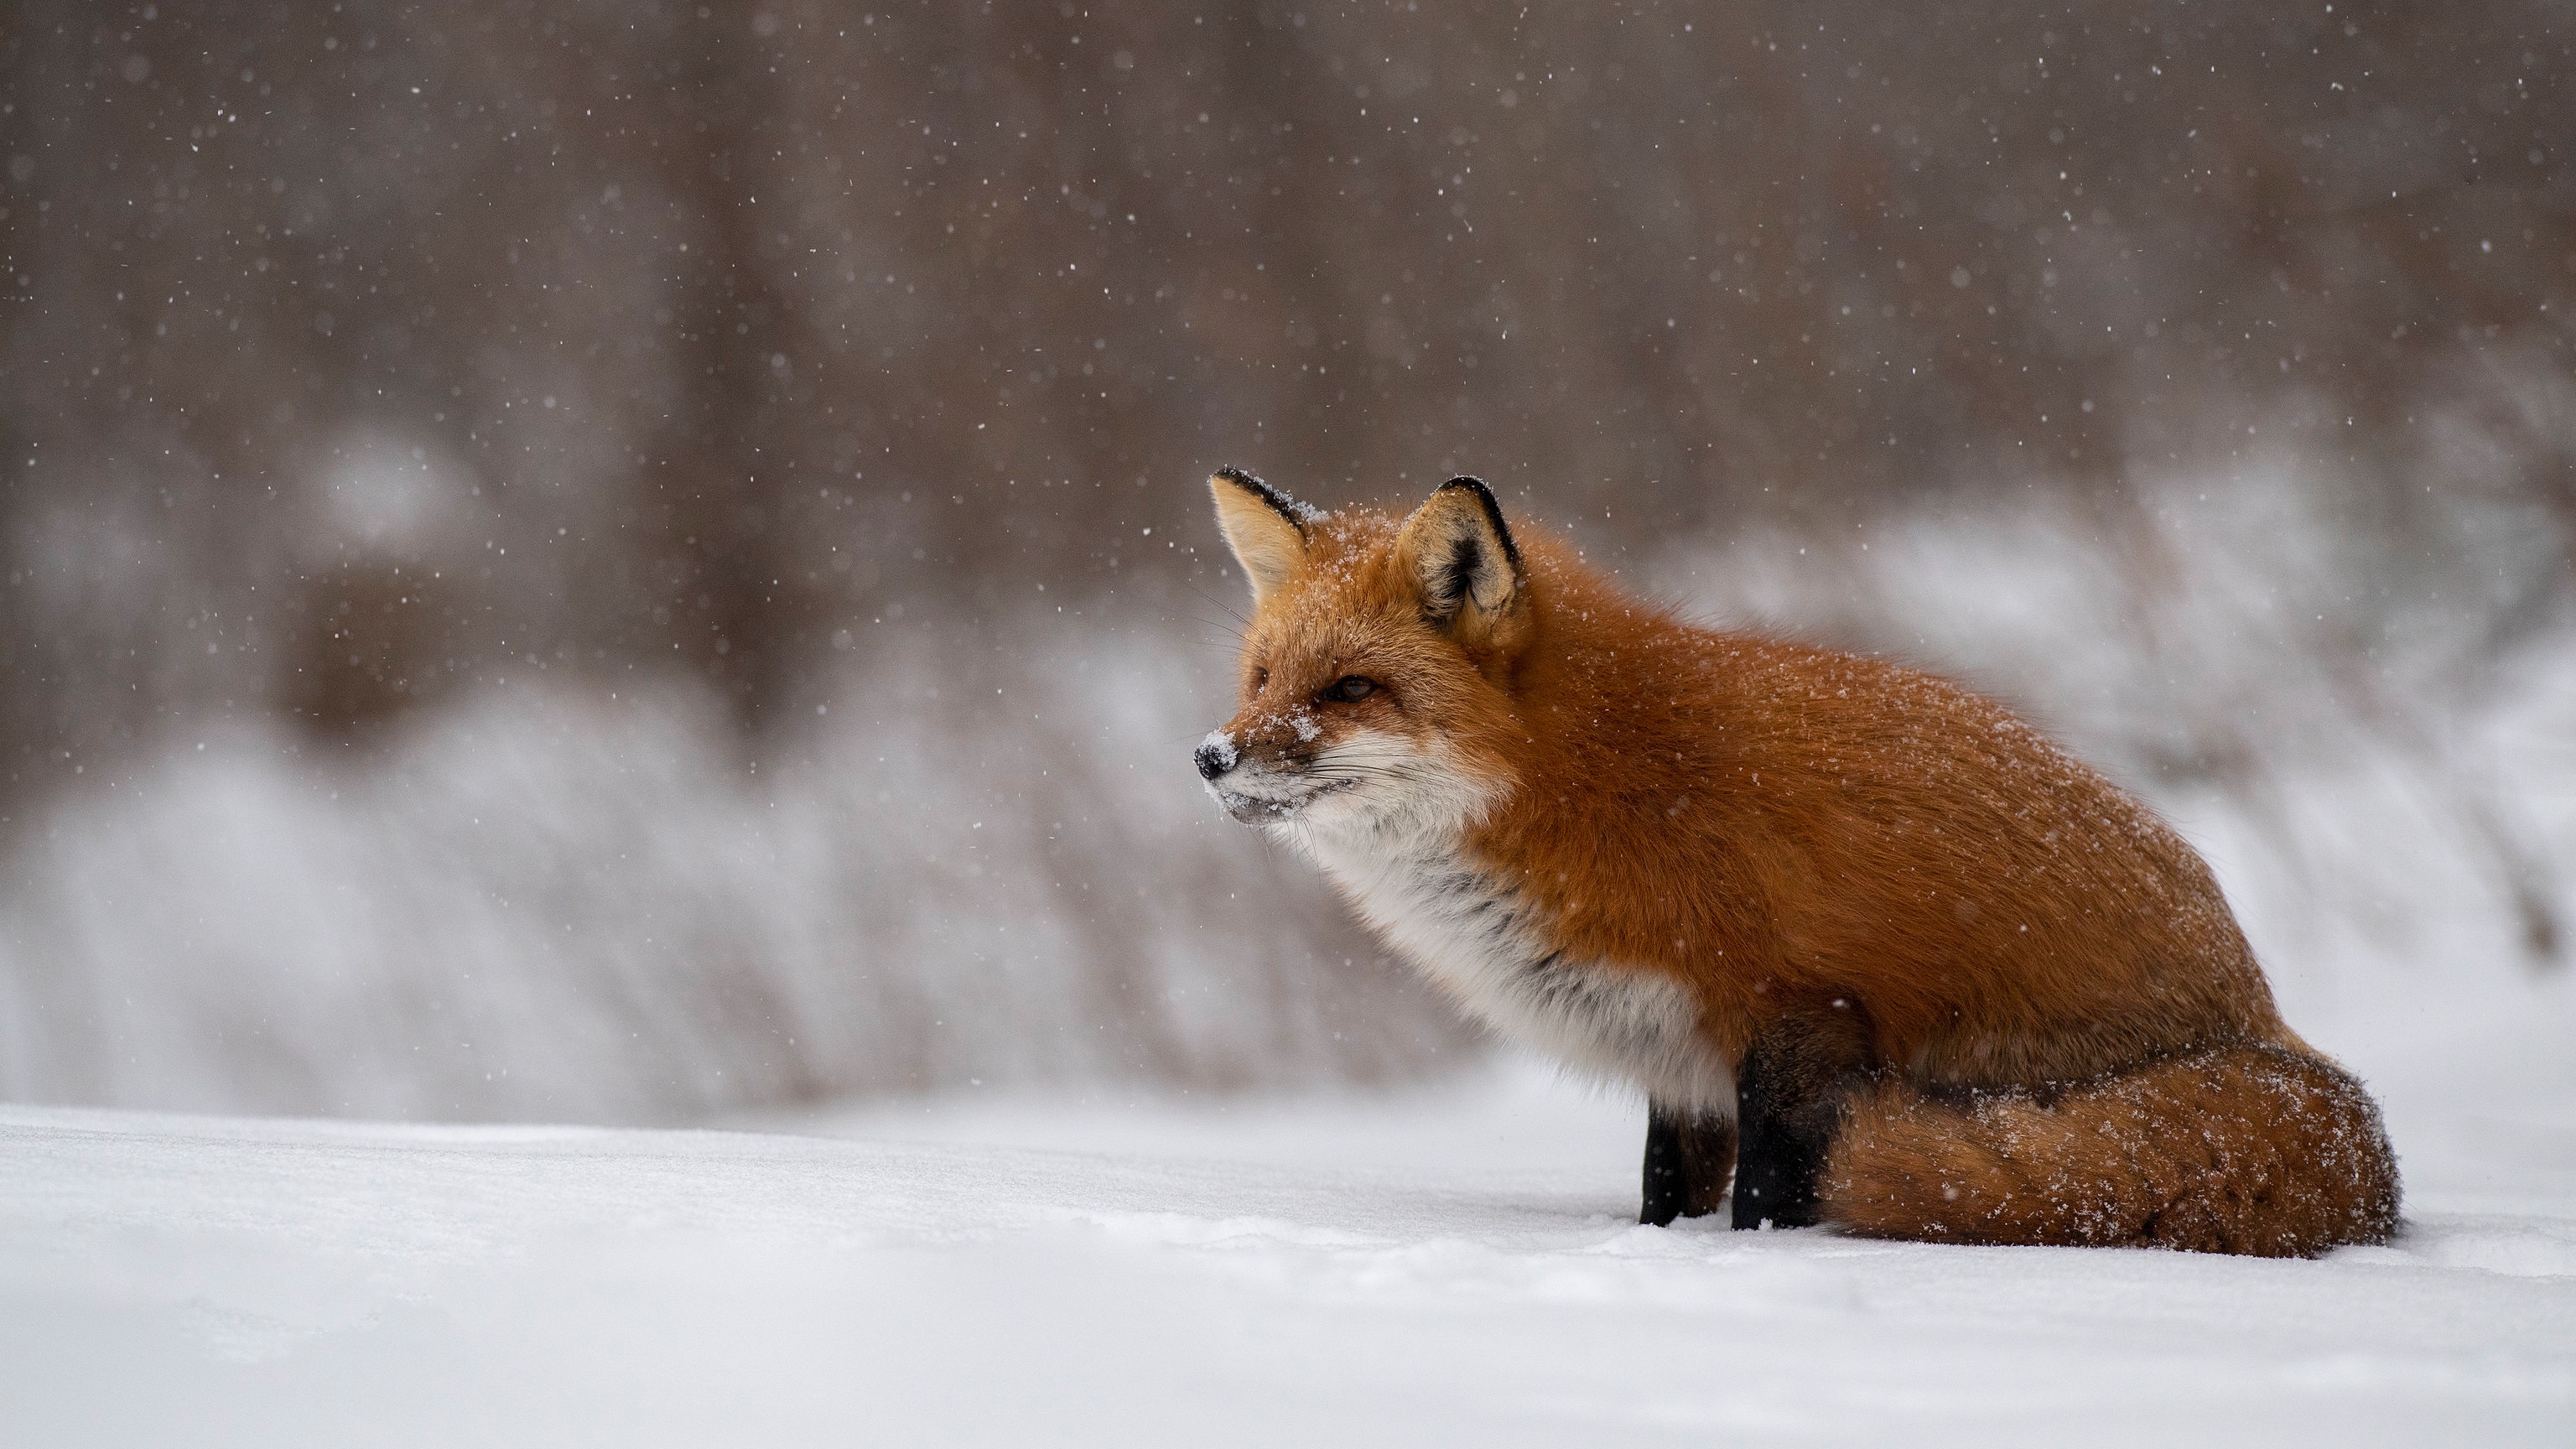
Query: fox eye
1351	689
1260	680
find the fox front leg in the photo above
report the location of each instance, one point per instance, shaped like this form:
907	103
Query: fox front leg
1792	1094
1688	1161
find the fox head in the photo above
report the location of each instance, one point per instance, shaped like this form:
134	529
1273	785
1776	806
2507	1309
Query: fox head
1376	673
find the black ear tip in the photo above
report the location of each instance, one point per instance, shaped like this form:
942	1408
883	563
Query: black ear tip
1280	503
1468	483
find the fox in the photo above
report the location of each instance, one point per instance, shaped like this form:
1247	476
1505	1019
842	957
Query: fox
1880	956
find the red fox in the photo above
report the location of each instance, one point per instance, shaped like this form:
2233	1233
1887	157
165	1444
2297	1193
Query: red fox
1879	954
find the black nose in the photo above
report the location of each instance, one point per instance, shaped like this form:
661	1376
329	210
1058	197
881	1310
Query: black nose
1214	759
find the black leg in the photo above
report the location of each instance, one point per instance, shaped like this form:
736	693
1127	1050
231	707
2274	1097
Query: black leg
1791	1092
1663	1169
1688	1161
1775	1171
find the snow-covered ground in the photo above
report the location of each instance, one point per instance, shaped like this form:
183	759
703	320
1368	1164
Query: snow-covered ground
1452	1265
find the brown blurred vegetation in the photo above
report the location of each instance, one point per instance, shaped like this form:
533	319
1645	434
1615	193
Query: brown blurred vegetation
731	323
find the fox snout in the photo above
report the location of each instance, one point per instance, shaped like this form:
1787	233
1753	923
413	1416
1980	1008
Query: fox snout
1215	756
1256	781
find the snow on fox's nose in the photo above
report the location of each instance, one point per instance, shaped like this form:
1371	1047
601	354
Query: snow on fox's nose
1215	755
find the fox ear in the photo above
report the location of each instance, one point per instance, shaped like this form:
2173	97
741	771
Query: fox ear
1460	552
1265	528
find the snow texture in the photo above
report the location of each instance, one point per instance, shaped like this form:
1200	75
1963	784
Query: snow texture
1449	1265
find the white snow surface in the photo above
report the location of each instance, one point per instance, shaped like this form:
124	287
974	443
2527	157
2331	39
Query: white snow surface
1452	1264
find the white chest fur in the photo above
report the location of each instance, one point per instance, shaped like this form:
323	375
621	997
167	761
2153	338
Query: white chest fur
1476	940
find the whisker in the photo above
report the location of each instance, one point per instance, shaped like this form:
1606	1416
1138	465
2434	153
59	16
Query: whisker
1219	604
1235	635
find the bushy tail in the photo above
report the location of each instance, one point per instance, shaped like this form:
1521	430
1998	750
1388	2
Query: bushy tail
2260	1150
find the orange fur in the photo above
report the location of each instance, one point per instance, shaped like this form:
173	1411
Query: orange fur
2253	1149
1643	813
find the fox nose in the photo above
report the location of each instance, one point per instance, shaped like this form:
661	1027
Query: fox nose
1214	758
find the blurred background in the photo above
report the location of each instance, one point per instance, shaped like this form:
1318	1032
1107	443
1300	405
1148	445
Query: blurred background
633	561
